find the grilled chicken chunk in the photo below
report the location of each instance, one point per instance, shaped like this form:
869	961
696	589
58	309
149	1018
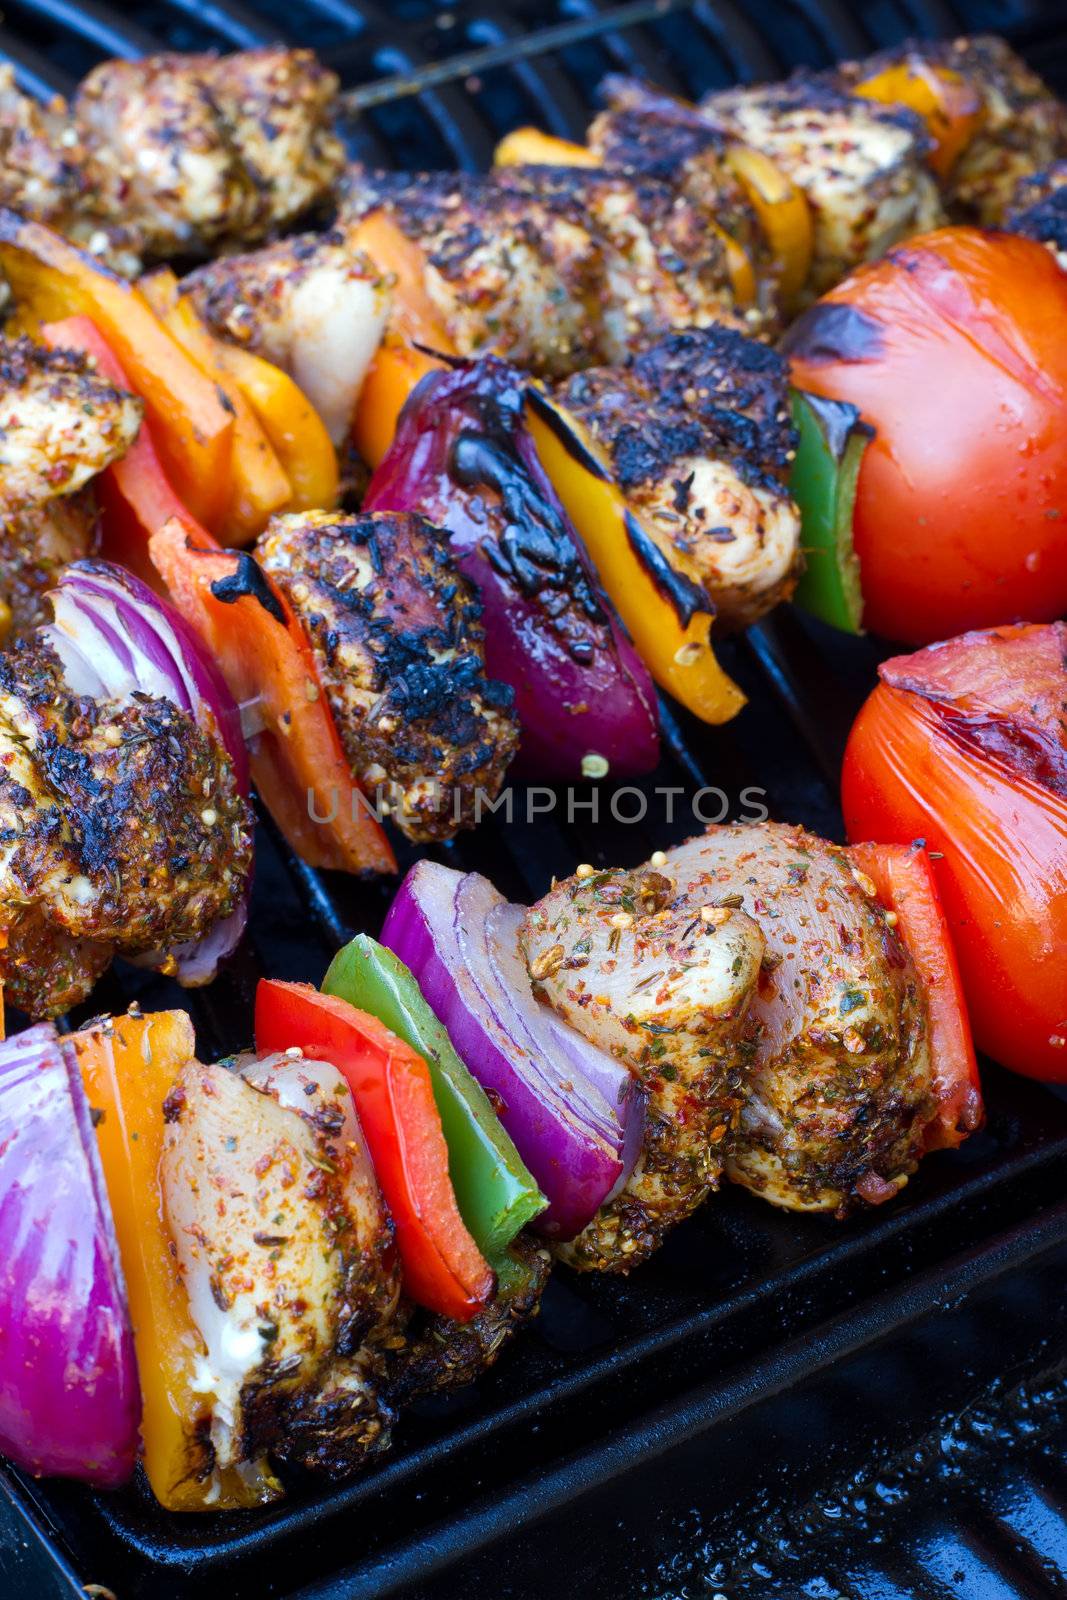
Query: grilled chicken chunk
311	305
1020	125
398	641
286	1252
551	267
60	424
861	165
197	152
121	830
838	1071
697	433
657	265
1039	210
662	976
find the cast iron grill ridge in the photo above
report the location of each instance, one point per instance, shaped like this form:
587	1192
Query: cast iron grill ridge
743	1303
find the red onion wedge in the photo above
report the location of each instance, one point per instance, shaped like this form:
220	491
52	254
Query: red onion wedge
115	637
69	1397
575	1115
464	458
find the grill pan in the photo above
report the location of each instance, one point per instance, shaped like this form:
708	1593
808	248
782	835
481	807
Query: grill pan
727	1417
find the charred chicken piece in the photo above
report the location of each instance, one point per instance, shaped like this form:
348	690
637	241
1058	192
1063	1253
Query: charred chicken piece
658	264
552	268
398	641
121	831
311	305
662	975
697	433
1039	210
197	152
286	1252
647	134
837	1059
1021	125
60	424
861	165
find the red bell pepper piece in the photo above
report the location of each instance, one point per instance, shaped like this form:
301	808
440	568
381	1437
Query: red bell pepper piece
904	882
135	493
298	765
390	1083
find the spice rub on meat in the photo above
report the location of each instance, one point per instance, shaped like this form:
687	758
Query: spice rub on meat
662	980
697	433
194	153
552	268
121	831
839	1087
60	425
397	635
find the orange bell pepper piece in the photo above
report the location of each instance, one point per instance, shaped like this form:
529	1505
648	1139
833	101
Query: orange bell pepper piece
259	485
783	213
129	1066
134	493
296	431
393	374
298	764
950	107
413	316
530	147
904	882
52	279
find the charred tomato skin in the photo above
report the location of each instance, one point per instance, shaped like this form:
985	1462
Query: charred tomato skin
951	346
999	845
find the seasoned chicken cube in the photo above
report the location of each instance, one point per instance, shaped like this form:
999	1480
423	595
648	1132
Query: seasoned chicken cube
660	266
399	644
861	165
508	272
60	424
1021	126
697	470
661	974
200	151
311	305
42	163
1039	210
838	1068
286	1252
648	134
120	827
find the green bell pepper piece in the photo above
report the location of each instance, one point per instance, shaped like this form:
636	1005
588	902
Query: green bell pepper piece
495	1193
832	439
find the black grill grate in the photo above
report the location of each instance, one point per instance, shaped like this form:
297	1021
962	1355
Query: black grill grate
743	1304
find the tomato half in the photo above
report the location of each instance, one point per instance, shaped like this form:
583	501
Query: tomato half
999	841
953	348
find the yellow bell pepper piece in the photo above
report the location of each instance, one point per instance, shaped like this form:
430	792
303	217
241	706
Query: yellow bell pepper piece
51	279
950	107
129	1066
393	373
259	485
678	653
293	426
530	147
783	213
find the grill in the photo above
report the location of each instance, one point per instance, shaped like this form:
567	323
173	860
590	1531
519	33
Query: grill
772	1405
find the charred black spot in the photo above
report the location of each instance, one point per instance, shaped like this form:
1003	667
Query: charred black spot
687	597
248	581
832	331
